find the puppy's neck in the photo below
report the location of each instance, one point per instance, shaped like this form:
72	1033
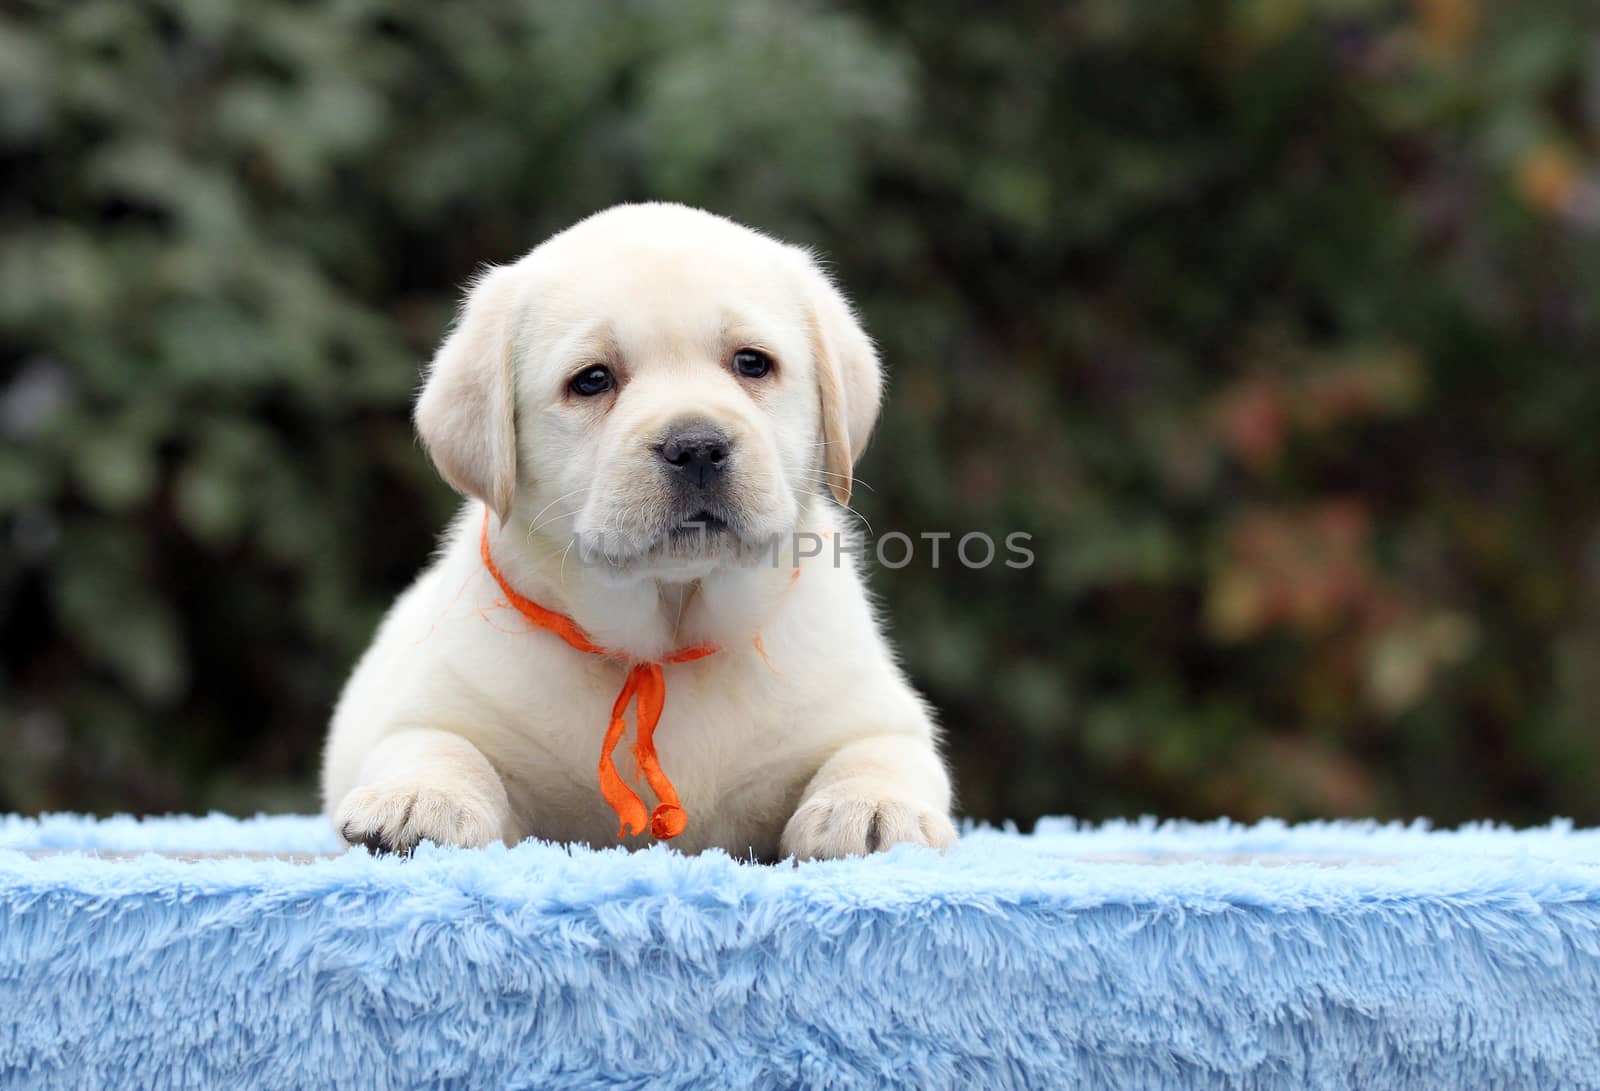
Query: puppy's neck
651	617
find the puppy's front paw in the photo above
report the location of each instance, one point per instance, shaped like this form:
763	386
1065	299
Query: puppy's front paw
832	824
394	817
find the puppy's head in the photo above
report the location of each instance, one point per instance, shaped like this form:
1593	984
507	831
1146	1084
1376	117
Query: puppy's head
657	383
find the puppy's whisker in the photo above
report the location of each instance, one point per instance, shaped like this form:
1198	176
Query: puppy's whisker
852	512
561	572
846	477
824	483
863	518
534	524
554	518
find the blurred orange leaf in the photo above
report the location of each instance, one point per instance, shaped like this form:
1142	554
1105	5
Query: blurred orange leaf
1255	417
1448	26
1304	568
1548	179
1253	421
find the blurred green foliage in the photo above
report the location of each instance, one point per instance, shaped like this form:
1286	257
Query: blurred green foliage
1273	321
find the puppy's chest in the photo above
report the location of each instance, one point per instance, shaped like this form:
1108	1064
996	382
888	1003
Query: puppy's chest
722	724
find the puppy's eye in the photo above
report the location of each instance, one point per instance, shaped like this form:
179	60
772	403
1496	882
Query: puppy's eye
596	380
752	364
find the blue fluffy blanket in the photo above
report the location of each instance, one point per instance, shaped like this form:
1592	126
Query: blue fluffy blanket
1120	956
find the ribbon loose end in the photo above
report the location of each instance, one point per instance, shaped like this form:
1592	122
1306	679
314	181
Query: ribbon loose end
668	821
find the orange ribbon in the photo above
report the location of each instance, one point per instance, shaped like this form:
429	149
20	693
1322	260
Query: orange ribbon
645	687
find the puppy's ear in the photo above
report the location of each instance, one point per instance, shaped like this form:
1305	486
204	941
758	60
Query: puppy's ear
849	381
466	414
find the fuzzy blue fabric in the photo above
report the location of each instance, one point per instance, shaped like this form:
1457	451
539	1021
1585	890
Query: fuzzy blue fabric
1129	955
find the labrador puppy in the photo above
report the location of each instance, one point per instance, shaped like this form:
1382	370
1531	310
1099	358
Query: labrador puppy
654	416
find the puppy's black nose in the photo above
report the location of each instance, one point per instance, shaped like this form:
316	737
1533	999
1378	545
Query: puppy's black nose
699	453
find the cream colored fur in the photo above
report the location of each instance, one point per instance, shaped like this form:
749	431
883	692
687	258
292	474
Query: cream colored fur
462	725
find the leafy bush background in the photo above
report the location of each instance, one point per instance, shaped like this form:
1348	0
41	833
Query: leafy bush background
1273	322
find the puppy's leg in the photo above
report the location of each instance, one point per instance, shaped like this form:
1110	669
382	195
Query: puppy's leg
425	785
871	794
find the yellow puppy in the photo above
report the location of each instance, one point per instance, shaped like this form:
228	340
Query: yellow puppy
652	413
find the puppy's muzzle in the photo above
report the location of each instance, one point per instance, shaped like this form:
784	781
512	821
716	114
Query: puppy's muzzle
697	455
